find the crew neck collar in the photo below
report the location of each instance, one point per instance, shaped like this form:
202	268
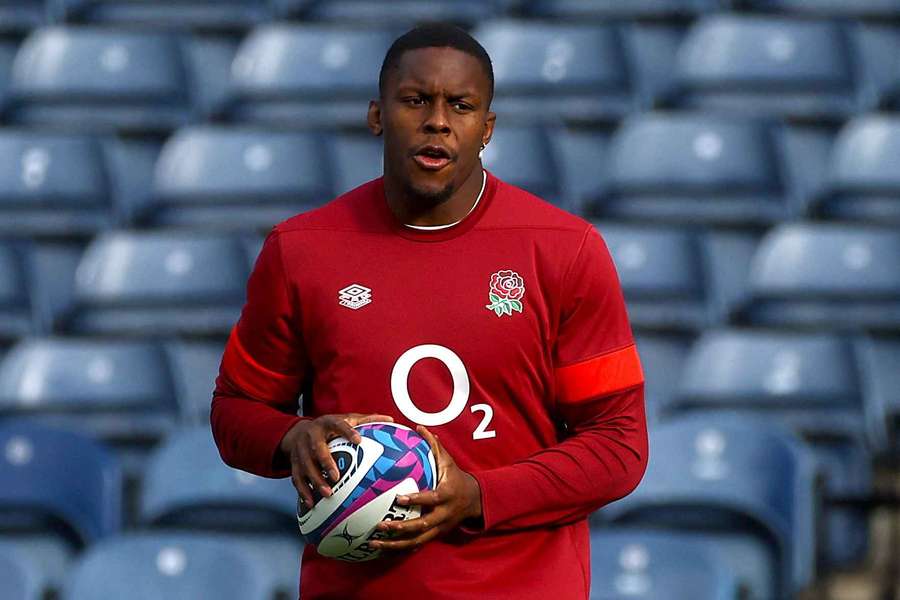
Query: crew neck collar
481	206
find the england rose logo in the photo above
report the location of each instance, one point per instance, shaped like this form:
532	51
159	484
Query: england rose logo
507	290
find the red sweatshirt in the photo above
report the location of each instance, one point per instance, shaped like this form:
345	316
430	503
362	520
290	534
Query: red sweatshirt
505	334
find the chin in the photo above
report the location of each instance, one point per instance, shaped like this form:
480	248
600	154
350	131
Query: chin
430	194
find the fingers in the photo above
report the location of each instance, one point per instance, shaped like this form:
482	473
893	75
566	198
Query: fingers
345	428
300	483
313	473
326	461
405	535
358	419
426	498
441	458
406	544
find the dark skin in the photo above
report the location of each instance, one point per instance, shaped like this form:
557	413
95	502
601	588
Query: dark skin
434	114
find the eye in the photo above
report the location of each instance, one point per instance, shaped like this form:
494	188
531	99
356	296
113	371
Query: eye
461	106
414	100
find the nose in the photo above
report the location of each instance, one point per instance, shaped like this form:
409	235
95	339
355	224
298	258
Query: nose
437	120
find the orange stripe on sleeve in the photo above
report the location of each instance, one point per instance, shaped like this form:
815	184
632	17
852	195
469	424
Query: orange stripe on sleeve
253	378
599	376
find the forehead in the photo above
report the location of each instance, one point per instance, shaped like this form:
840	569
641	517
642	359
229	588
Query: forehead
440	68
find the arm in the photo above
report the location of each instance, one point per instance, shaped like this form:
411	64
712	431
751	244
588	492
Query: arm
255	401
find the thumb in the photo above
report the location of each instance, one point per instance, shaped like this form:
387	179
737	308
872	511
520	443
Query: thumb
441	458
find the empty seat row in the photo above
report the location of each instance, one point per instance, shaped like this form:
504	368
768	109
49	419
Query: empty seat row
160	283
314	75
656	167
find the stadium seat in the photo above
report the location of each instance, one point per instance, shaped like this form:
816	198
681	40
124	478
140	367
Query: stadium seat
676	280
654	565
574	72
744	485
149	566
158	284
865	179
306	75
826	276
581	157
118	391
767	65
195	366
662	359
523	157
694	169
197	14
53	185
237	178
397	13
830	8
54	480
203	494
880	358
97	79
807	381
621	9
7	56
16	318
356	158
19	578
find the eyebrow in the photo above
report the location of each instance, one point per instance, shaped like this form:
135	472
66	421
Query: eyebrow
419	88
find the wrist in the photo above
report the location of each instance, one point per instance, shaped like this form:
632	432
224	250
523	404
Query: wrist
474	497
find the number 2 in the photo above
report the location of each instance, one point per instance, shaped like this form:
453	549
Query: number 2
481	432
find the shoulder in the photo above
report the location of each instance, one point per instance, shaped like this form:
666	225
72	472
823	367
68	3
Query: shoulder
351	211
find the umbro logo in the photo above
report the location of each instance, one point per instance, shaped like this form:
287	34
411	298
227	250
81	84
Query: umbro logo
355	296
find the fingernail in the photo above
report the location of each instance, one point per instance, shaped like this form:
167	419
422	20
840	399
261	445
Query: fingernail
402	499
326	491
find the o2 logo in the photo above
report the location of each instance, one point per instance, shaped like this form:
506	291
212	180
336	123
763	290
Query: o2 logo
458	400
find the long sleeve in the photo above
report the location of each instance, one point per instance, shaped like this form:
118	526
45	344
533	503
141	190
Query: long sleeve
255	401
599	392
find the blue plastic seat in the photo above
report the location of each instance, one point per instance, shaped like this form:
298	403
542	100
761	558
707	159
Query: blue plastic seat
809	382
158	284
674	279
826	276
558	71
831	8
396	13
200	14
621	9
55	480
865	180
93	79
16	318
745	485
880	358
356	158
204	494
523	157
694	169
767	65
655	565
235	178
168	565
117	391
53	185
307	75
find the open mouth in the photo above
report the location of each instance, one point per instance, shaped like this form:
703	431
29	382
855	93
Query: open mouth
432	158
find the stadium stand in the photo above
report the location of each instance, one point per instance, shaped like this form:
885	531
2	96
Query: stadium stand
356	158
745	485
194	367
886	9
306	75
158	283
20	17
809	382
865	182
403	13
173	566
652	565
621	9
237	178
662	358
826	276
16	315
257	514
522	155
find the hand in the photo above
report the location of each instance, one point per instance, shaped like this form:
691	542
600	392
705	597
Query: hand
456	498
306	444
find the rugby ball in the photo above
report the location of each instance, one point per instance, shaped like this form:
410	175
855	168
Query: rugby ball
390	460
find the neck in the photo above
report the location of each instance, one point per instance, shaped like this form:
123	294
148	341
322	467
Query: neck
413	211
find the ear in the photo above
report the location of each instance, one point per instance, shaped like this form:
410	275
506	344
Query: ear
374	118
489	122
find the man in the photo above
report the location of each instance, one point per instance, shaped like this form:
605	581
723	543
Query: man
439	295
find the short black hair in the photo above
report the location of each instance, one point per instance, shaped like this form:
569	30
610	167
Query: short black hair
436	35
